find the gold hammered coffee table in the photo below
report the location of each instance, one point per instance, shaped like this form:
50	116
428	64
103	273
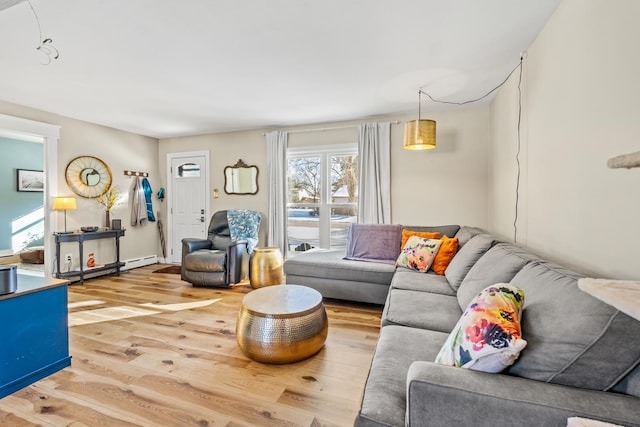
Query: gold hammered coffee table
282	324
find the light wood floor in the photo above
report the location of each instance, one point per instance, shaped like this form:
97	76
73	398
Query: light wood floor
150	350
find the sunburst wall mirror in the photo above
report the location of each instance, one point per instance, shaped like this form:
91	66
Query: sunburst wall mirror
88	176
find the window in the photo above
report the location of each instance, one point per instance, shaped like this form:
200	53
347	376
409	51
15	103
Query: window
322	196
188	170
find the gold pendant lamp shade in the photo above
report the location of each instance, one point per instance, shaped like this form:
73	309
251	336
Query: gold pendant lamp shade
420	134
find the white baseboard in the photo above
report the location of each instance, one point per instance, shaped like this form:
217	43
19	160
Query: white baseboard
140	262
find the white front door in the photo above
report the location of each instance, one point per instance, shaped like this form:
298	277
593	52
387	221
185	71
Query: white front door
189	211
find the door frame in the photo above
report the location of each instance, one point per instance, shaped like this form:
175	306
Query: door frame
207	190
20	128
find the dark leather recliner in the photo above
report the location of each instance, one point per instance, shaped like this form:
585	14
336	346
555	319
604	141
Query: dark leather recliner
217	261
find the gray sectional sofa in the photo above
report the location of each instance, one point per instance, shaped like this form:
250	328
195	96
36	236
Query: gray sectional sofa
582	358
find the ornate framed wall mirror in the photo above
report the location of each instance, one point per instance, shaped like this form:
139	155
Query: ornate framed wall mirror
241	178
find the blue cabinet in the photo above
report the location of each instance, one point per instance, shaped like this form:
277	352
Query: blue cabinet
34	337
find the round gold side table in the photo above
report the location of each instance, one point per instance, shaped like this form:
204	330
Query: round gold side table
265	267
282	324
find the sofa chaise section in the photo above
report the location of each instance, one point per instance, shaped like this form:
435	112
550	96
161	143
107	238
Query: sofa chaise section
334	277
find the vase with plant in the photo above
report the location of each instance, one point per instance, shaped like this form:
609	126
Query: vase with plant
108	200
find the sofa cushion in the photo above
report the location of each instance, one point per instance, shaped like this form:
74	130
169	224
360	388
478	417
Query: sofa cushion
384	398
466	257
374	242
498	265
422	310
487	337
442	396
32	255
329	264
418	254
573	338
466	233
630	384
413	281
444	230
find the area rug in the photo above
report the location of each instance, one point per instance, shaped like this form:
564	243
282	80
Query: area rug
172	269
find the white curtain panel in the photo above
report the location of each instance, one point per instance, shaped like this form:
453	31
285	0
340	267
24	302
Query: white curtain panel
277	168
374	149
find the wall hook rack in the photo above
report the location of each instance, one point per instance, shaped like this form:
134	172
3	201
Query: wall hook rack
134	173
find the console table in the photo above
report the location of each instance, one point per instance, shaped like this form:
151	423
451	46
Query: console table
35	334
80	238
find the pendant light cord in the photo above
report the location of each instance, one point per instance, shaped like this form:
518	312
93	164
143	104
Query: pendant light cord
476	99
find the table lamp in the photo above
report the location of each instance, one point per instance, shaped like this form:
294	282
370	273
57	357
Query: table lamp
64	204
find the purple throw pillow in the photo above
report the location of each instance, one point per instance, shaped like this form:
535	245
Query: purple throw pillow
374	242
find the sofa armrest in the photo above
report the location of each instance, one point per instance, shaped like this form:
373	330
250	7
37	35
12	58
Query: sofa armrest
439	395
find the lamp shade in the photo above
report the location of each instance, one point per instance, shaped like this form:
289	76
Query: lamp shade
64	203
420	135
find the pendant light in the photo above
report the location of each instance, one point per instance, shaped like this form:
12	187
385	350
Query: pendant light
420	134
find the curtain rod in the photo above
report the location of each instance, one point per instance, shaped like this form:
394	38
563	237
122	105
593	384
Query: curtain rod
330	128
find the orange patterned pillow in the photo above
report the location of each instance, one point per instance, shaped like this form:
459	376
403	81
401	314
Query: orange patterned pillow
446	253
426	234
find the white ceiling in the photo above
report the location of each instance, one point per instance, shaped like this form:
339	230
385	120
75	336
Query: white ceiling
172	68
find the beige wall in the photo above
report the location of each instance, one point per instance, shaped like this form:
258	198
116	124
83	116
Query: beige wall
580	108
445	185
224	150
120	151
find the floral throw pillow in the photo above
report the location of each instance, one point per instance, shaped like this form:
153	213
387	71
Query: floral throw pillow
487	337
406	235
418	253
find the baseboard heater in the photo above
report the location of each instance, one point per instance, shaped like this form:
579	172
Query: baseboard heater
140	262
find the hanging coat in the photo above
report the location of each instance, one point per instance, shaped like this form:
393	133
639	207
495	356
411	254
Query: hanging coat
147	196
138	204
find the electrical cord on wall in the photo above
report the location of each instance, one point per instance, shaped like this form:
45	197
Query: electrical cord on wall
515	220
519	66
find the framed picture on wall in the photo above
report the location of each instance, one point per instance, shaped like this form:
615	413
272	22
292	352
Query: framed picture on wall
30	180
